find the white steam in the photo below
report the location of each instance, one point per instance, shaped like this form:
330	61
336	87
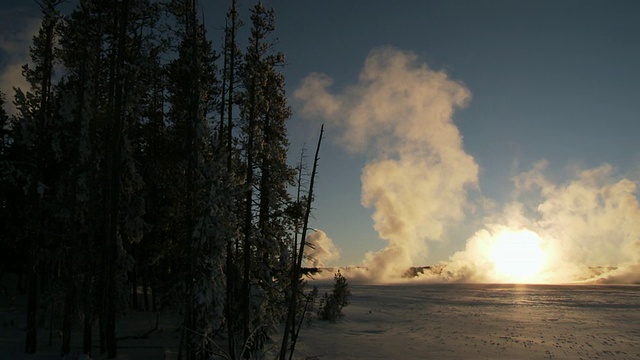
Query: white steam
400	114
589	229
321	250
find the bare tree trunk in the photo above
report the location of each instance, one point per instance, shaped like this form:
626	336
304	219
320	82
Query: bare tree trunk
113	179
296	230
295	273
67	317
134	287
246	281
88	314
43	117
31	343
154	300
145	293
230	268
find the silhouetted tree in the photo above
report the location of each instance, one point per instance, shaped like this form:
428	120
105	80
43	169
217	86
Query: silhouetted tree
134	165
35	163
229	99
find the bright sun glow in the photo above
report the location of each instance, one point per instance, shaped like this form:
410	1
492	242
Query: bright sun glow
517	256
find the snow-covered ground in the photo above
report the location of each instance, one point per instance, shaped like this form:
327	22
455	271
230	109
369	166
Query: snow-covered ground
419	321
481	321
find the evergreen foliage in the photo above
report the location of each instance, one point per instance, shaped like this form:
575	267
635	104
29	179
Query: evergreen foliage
147	164
330	307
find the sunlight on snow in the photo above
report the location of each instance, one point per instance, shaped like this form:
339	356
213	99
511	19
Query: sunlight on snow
517	256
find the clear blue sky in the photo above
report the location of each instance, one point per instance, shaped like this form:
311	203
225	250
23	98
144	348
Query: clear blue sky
549	80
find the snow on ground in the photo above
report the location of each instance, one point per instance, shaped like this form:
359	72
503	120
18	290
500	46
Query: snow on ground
418	321
462	321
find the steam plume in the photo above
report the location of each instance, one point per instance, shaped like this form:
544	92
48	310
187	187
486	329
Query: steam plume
589	228
401	114
321	250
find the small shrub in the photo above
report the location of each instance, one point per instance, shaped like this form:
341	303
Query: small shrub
310	307
331	305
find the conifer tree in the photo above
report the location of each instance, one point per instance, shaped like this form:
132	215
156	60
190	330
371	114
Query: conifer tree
265	228
193	95
106	47
130	179
10	197
81	97
229	95
131	52
35	162
153	148
5	143
4	126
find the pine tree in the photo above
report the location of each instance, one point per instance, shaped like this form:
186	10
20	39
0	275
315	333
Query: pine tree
131	52
80	98
35	165
274	226
106	47
296	282
193	95
4	126
153	154
11	249
266	228
229	94
135	182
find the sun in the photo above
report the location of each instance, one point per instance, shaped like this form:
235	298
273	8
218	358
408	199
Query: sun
517	256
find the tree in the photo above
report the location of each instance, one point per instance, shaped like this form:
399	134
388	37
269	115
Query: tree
123	205
331	305
82	96
129	178
296	272
35	165
204	185
232	61
106	47
12	247
4	126
153	153
265	227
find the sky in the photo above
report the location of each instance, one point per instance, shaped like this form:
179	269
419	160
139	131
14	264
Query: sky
452	123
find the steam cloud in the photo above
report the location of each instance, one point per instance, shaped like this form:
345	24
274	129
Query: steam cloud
589	228
418	174
401	112
321	250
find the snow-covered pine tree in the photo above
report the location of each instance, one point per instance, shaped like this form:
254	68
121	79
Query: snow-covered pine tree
153	153
232	60
203	182
106	47
70	205
130	40
274	225
80	98
267	233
